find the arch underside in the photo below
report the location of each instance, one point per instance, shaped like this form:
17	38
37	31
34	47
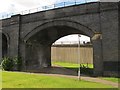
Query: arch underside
38	42
61	26
49	35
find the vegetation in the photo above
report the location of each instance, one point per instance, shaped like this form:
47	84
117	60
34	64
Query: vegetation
9	64
86	69
29	80
113	79
72	65
0	67
0	78
17	63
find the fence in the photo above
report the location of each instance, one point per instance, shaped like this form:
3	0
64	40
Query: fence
69	53
48	7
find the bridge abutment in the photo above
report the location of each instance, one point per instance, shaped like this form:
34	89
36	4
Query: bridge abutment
14	36
97	54
37	56
87	20
109	25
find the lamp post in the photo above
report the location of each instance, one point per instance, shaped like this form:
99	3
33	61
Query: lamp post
79	56
75	2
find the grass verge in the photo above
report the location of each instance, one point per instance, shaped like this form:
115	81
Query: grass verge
113	79
71	65
27	80
85	70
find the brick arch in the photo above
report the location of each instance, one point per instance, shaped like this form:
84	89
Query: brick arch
7	36
7	41
87	31
44	50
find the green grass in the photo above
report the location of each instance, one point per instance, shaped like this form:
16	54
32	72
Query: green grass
85	69
0	78
71	65
113	79
27	80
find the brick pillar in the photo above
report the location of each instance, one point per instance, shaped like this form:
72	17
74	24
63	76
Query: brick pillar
97	54
14	35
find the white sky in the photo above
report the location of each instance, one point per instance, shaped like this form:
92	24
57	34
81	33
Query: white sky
11	6
73	38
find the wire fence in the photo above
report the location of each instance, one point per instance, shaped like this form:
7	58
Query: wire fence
48	7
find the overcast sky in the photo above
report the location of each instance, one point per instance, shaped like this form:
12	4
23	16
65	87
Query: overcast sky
20	5
11	6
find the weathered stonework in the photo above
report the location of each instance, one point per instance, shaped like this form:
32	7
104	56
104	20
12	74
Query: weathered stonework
31	36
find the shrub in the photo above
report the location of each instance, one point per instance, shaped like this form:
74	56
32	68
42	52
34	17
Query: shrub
7	64
17	63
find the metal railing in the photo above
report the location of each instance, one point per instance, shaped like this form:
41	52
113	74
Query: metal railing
48	7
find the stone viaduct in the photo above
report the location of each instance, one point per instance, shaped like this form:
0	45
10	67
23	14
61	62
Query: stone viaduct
30	36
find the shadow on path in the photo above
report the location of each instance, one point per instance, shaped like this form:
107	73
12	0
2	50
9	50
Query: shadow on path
56	70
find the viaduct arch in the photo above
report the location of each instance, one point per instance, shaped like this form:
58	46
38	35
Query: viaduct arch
42	37
33	34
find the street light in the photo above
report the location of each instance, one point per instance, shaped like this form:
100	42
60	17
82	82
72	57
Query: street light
79	56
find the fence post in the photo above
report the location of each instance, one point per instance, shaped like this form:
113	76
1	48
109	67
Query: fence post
54	6
29	11
64	4
75	2
79	73
2	16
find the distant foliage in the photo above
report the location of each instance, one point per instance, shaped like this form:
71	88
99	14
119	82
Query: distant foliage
10	64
